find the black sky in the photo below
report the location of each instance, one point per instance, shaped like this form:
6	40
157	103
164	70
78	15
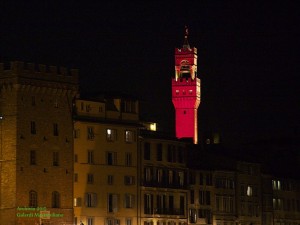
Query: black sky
248	55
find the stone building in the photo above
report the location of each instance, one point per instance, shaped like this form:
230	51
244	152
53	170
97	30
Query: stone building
105	160
36	144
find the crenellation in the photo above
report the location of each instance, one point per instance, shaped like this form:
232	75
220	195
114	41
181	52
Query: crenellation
18	69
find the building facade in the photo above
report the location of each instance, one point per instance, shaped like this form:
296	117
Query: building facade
36	170
105	161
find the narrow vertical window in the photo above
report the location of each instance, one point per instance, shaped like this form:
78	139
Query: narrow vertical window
75	177
32	157
55	199
112	203
110	179
90	178
55	159
32	127
55	129
159	152
128	159
90	133
33	199
33	100
146	151
90	157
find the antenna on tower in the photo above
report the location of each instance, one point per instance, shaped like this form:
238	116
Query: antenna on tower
186	44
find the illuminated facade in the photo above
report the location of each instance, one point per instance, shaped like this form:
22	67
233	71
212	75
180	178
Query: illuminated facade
36	170
105	161
163	179
186	92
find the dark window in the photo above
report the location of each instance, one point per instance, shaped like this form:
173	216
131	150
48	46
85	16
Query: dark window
33	199
32	157
192	195
32	127
55	159
55	199
55	129
159	152
146	151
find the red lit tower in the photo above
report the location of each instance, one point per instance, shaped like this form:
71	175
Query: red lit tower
186	91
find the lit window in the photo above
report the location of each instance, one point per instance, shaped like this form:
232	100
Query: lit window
111	135
249	191
77	202
129	136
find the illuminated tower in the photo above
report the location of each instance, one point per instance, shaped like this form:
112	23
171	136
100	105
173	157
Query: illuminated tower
186	91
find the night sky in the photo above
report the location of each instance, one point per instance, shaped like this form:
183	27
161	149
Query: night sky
248	56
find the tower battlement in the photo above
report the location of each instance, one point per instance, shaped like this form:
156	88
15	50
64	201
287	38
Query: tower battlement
184	51
38	72
184	81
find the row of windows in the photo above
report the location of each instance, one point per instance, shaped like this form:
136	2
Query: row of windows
113	201
184	92
163	222
285	185
163	204
200	213
164	176
292	205
33	128
249	209
111	134
224	183
33	158
173	154
224	204
33	199
110	158
204	197
128	180
204	178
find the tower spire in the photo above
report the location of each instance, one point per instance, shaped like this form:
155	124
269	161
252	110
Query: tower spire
186	44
